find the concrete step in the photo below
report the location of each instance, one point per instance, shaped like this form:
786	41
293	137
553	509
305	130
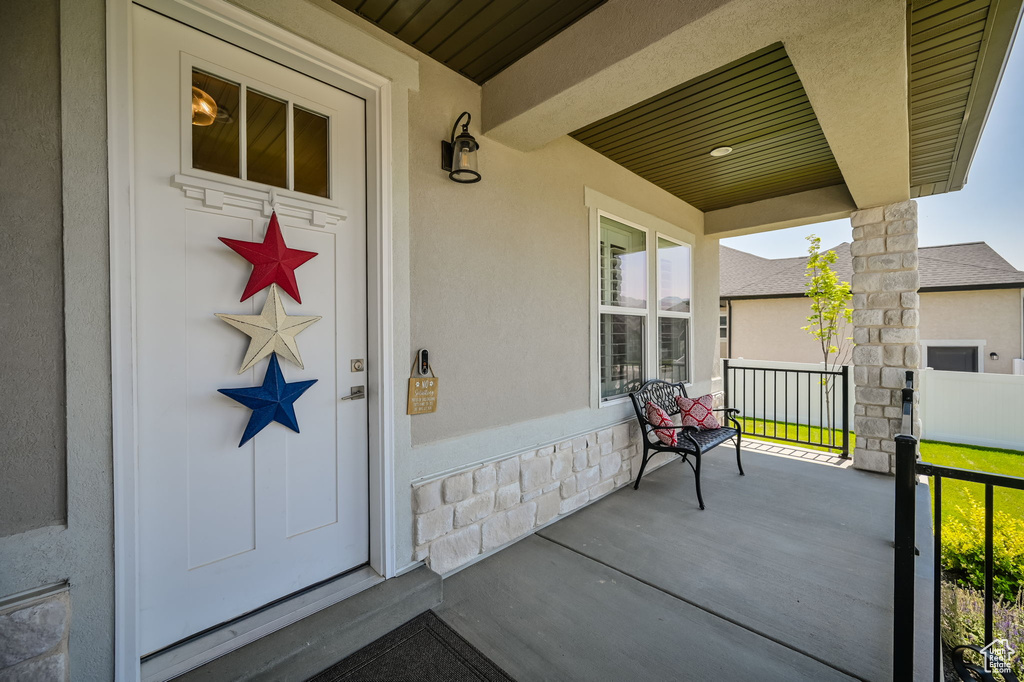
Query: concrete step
312	644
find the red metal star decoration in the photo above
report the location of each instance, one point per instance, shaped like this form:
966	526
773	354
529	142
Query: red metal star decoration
272	261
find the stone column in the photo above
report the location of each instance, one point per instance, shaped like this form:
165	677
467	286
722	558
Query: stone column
885	319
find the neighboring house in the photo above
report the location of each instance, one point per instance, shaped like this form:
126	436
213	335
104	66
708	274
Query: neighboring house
619	140
971	307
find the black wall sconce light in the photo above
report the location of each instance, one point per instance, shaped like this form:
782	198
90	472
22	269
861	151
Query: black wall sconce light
993	356
458	154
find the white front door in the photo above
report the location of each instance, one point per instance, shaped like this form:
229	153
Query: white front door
225	529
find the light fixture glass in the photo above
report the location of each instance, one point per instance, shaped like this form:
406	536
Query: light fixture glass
204	108
464	158
458	153
721	151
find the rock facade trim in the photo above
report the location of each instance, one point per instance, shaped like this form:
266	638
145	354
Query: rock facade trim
885	327
470	513
34	638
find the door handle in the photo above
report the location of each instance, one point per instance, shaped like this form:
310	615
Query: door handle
357	393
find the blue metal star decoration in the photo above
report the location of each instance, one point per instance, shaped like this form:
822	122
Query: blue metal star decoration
271	402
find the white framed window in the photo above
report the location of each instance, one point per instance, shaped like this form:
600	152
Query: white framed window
644	306
623	287
954	355
675	294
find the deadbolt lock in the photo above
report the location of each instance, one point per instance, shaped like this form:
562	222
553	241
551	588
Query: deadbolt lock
357	365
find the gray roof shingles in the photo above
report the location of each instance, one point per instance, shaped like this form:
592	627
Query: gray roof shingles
975	264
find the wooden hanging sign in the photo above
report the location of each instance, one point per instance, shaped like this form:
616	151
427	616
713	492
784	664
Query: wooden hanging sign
423	394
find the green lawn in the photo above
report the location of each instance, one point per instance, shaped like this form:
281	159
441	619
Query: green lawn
955	493
765	430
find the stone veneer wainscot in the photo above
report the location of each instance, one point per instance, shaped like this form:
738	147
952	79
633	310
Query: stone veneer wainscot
34	637
477	510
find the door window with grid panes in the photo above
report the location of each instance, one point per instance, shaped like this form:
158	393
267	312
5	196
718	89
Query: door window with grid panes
243	133
632	302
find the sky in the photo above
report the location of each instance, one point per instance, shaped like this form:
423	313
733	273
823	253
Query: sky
989	208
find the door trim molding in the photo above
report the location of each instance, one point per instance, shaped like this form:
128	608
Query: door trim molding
245	30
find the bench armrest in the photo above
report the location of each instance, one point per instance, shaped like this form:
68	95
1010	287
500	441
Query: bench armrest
731	413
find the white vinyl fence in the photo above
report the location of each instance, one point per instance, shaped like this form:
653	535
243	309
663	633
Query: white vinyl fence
762	389
973	408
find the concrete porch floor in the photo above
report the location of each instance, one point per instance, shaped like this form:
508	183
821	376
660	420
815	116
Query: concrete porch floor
787	575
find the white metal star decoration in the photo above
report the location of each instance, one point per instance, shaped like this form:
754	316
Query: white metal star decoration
272	331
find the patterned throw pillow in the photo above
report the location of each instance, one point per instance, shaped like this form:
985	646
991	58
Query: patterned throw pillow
659	417
697	412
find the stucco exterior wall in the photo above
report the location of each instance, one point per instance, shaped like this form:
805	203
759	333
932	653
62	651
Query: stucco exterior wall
992	315
78	551
32	456
500	269
769	329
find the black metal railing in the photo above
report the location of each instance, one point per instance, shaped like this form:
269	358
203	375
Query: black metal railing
806	406
908	468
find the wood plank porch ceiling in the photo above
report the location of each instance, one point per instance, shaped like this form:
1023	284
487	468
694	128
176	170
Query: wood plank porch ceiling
477	39
951	84
756	105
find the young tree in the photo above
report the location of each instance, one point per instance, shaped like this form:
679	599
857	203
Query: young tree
830	314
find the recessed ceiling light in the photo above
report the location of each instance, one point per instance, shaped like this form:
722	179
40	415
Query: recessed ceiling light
721	151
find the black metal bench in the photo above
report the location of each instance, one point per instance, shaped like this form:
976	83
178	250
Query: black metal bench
691	440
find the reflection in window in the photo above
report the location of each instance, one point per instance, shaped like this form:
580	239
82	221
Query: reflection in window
673	345
311	153
674	276
215	143
622	354
266	148
219	129
637	340
623	265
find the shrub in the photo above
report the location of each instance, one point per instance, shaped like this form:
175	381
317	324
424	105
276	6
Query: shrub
962	621
963	550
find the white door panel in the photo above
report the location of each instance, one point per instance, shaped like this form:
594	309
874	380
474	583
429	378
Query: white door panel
225	529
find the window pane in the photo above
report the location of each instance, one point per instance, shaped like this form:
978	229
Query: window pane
623	257
674	276
266	135
953	358
622	354
214	124
312	172
673	333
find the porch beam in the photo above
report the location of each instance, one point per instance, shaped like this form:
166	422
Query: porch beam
792	210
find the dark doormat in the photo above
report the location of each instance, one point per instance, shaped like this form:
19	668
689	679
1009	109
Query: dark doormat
425	649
